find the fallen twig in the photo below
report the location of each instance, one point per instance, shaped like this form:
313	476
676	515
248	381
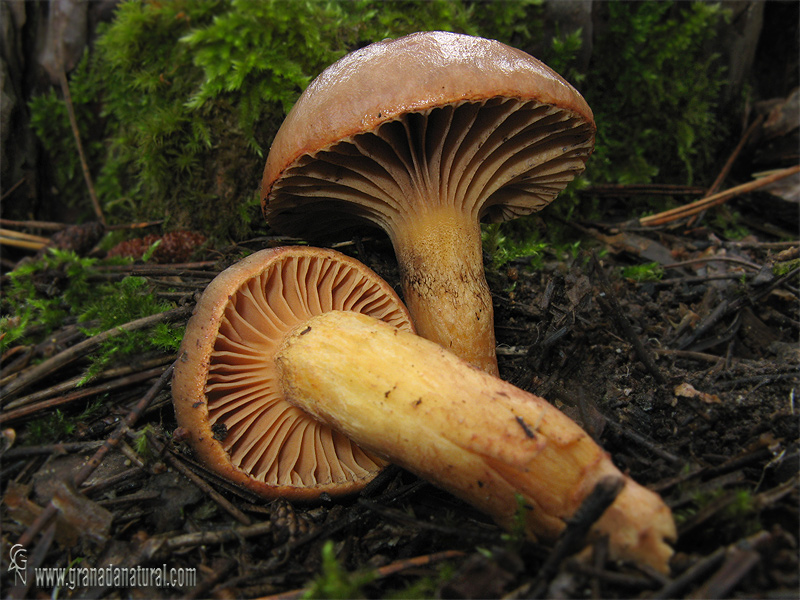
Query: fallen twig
726	169
62	75
725	308
219	536
176	464
17	243
385	571
693	573
702	356
48	449
643	441
737	564
764	245
642	189
706	565
608	301
626	580
62	358
693	208
12	189
31	409
704	259
57	226
417	561
123	477
176	269
769	497
35	561
90	465
758	379
65	386
573	537
66	336
699	279
20	239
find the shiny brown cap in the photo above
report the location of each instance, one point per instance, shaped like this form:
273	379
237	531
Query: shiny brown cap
225	389
486	124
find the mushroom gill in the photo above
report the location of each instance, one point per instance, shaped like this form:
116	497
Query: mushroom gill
248	424
496	160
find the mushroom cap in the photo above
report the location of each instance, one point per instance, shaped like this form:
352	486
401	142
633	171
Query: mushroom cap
432	114
226	389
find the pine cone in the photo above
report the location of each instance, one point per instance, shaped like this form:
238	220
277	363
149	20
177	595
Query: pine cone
175	247
178	246
78	238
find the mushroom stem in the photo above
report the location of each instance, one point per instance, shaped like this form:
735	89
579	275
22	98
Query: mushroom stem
409	400
444	287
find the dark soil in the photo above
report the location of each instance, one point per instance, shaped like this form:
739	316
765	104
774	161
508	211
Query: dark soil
688	382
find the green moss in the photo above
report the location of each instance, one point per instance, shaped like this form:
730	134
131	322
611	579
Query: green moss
141	442
782	268
655	101
334	581
61	285
504	249
514	22
729	223
425	587
564	50
738	517
52	428
179	100
644	272
743	510
56	426
42	293
119	303
517	534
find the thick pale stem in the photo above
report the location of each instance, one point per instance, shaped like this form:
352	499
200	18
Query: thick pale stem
421	407
444	287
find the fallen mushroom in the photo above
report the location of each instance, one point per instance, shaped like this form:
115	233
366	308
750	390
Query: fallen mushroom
409	401
225	387
425	136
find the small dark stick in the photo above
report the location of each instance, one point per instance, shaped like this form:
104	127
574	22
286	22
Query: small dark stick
610	304
80	349
525	428
573	538
89	466
201	484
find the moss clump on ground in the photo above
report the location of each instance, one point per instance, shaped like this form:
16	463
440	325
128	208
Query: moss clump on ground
334	581
645	272
60	287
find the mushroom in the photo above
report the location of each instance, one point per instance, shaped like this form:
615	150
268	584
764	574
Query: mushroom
424	137
407	400
226	389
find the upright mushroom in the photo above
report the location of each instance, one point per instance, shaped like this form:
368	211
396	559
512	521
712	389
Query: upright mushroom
425	136
226	389
403	399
